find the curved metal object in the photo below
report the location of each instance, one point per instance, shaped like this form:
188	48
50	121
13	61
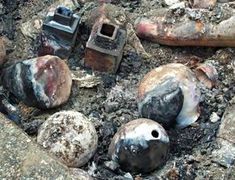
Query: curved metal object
140	146
187	32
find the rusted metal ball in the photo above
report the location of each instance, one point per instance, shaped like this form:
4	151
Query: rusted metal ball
140	146
70	136
169	95
43	82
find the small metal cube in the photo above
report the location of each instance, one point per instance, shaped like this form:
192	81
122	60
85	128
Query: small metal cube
104	48
59	33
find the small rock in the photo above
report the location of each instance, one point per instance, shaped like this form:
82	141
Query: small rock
224	156
43	82
214	117
111	165
180	5
32	27
111	106
171	2
70	136
2	51
79	174
128	176
227	128
85	80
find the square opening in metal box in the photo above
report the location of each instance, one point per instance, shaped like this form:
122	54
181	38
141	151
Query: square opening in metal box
108	30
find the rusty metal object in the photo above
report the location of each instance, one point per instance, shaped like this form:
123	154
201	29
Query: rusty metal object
2	51
59	33
187	32
104	48
207	74
202	4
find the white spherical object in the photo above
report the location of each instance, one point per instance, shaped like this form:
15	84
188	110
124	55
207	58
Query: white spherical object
70	136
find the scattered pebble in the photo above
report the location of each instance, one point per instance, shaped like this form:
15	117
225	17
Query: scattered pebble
214	117
171	2
79	174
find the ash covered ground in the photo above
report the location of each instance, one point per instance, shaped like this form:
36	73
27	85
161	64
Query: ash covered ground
113	101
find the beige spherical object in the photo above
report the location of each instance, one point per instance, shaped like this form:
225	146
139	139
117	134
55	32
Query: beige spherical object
70	136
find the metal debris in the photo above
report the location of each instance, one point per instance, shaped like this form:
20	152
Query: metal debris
59	33
43	82
170	95
70	136
207	74
185	31
140	146
104	48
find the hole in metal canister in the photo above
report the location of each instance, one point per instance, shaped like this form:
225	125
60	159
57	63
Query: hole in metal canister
64	11
155	134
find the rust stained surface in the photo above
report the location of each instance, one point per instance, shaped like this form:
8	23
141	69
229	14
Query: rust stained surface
188	32
99	61
104	48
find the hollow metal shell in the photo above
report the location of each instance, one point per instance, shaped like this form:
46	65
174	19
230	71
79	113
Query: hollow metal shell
70	136
43	82
175	88
140	146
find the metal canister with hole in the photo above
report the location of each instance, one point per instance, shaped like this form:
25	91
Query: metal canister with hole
140	146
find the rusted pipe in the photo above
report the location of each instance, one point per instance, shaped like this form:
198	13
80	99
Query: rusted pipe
187	32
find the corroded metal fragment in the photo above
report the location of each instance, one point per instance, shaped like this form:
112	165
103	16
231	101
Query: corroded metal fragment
186	31
207	74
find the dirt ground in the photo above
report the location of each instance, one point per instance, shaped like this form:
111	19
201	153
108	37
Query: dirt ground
113	102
